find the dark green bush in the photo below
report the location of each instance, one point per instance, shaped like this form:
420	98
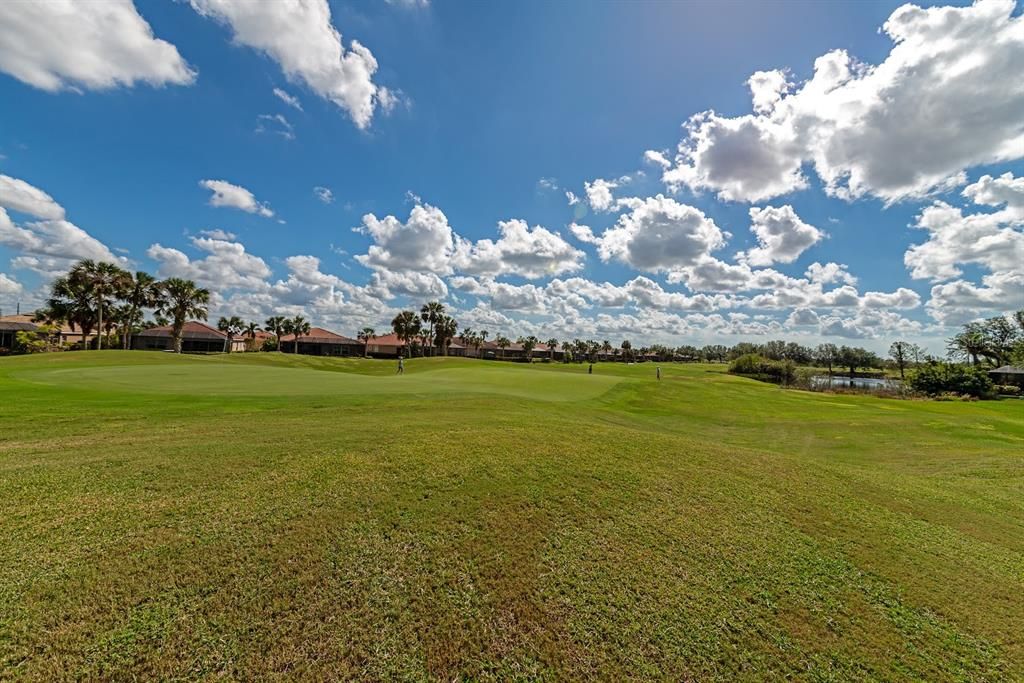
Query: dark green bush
753	365
935	379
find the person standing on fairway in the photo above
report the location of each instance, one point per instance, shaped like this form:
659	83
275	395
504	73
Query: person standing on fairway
401	366
590	369
659	373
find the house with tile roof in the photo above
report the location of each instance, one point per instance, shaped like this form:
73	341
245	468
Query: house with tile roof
10	325
322	342
197	337
391	346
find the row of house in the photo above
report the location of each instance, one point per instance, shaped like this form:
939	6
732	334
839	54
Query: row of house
391	346
198	337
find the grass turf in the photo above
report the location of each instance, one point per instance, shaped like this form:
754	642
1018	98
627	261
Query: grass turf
265	516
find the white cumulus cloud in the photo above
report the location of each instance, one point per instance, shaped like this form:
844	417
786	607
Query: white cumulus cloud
599	194
660	234
992	240
947	97
58	44
781	236
425	242
520	250
49	245
17	195
226	264
299	36
9	286
227	194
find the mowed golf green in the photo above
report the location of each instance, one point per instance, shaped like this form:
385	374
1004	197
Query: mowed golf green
262	516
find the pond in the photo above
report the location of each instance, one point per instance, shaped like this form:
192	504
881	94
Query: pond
846	382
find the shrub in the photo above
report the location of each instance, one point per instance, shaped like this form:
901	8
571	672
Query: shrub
936	379
1008	390
955	397
753	365
40	340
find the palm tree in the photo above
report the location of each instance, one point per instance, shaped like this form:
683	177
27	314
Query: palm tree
230	326
298	326
71	302
502	342
970	343
365	335
467	336
481	338
1000	335
529	344
106	281
251	328
552	344
471	337
627	347
407	327
143	292
566	351
182	300
275	325
431	313
444	331
606	347
117	318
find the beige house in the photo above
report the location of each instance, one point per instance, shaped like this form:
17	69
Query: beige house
10	325
388	345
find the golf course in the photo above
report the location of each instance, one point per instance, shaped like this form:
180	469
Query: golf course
270	516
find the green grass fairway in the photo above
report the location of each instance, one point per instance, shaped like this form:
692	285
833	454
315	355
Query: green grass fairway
166	375
265	517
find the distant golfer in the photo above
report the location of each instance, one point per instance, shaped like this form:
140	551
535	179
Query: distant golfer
590	369
659	373
401	366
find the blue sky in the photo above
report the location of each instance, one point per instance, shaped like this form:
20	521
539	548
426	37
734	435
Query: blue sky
866	120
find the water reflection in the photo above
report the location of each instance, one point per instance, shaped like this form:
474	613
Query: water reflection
846	382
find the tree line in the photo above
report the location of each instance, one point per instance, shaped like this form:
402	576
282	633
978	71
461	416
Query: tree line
995	341
102	298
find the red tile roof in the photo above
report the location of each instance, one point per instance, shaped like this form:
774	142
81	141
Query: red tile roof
393	340
318	335
193	329
386	340
490	345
